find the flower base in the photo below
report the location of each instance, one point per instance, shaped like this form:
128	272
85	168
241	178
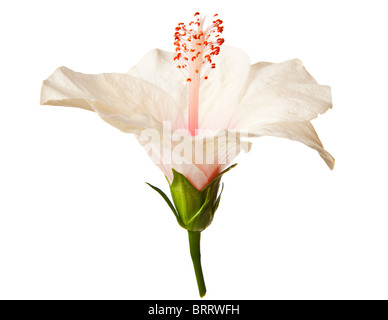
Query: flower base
194	210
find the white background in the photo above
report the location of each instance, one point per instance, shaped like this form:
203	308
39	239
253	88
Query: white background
77	220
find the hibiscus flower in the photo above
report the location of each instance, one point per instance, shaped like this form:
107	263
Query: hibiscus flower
193	109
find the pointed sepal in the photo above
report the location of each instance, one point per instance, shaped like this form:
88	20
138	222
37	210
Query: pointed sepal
168	201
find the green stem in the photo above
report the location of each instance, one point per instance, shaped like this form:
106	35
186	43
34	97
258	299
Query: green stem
195	252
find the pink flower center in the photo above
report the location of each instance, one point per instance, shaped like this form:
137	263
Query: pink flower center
195	47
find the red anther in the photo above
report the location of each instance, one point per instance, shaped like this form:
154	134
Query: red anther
220	41
178	67
196	14
216	15
177	28
191	22
181	24
197	23
177	49
198	53
187	59
188	80
199	44
192	50
196	71
205	77
193	58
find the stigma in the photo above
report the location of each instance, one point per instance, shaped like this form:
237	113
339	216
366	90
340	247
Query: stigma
196	46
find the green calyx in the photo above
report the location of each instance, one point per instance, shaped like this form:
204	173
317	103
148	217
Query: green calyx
194	209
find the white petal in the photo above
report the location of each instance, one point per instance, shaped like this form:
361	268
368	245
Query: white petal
162	150
128	103
281	92
299	131
198	158
221	93
219	149
159	68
